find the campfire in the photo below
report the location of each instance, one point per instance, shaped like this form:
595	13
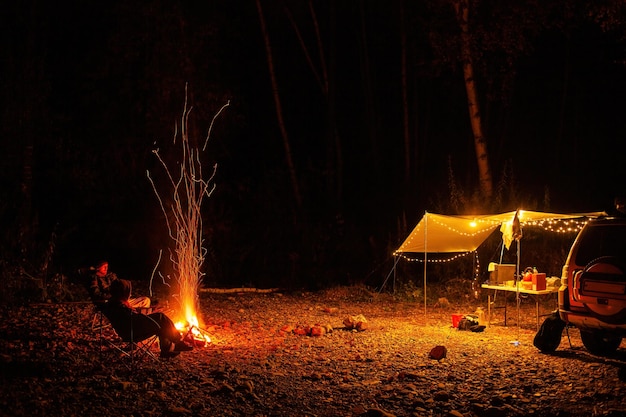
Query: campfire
193	333
183	218
189	324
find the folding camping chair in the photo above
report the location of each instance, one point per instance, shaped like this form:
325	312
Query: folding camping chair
125	341
98	322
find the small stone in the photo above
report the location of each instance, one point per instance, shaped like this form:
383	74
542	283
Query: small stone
378	412
442	396
317	331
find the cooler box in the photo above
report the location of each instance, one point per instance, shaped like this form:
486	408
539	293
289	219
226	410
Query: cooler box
456	319
502	273
539	282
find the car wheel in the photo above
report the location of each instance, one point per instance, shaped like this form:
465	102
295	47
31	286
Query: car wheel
600	343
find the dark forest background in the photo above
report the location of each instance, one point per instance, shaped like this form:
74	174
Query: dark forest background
374	127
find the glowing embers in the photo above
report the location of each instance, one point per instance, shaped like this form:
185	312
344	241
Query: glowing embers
193	333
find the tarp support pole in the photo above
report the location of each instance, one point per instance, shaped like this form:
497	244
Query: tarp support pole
517	285
393	271
425	254
394	274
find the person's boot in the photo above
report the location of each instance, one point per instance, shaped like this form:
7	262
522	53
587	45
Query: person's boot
181	346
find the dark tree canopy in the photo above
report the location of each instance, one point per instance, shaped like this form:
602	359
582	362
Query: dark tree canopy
89	90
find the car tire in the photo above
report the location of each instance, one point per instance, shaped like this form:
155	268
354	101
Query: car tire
613	264
599	342
610	260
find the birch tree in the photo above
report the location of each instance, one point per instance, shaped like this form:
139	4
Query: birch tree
480	142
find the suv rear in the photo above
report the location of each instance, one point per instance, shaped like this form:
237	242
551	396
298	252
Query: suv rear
592	296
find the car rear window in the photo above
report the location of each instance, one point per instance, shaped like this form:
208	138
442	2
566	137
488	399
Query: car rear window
602	240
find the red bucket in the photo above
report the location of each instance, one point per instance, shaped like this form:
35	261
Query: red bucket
456	318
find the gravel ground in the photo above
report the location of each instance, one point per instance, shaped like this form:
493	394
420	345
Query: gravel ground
260	364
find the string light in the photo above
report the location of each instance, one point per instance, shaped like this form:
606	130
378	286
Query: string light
450	259
557	225
490	225
550	225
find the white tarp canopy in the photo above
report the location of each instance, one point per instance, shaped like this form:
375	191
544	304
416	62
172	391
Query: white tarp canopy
438	233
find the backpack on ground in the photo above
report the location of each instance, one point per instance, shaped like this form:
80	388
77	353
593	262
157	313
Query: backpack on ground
549	335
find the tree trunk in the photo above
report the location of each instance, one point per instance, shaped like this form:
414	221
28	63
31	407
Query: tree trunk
480	142
371	113
405	101
27	218
563	107
325	80
335	148
279	111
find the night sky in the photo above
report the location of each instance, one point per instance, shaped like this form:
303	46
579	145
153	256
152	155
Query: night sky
93	89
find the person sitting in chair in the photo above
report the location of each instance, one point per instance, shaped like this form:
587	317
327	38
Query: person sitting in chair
127	321
100	286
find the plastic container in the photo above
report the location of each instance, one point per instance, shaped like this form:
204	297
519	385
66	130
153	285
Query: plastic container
539	281
456	318
480	313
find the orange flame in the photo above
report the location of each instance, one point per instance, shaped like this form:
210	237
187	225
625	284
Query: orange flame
190	325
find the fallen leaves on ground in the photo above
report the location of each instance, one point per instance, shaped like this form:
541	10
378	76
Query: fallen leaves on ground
259	364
